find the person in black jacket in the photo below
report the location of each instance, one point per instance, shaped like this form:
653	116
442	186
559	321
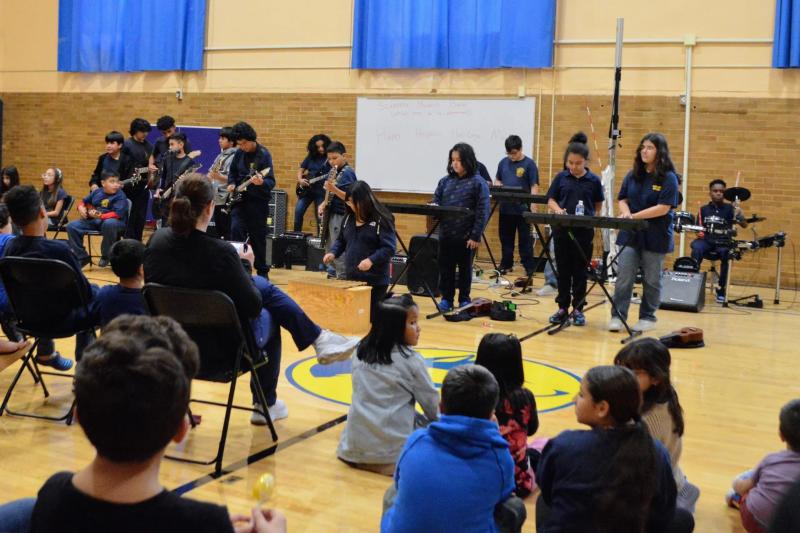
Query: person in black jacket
138	148
369	237
183	255
113	160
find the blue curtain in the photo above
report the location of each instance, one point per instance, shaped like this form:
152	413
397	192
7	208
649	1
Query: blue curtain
458	34
130	35
786	44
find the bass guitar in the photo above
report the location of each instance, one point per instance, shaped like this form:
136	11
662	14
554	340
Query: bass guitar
237	195
304	190
326	213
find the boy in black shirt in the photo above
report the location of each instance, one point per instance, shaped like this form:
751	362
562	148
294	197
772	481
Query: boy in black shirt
114	160
119	490
174	164
138	149
166	125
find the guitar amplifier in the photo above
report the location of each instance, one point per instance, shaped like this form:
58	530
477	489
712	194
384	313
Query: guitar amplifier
289	249
683	291
276	217
425	265
314	254
396	265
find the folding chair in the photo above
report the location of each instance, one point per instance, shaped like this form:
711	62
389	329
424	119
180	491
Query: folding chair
48	300
226	344
61	225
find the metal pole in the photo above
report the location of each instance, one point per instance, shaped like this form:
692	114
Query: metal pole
690	42
777	299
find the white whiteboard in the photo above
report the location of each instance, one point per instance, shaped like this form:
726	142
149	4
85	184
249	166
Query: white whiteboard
402	144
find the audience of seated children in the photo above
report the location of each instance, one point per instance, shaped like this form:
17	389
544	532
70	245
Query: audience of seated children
613	477
119	490
125	297
368	240
53	196
516	414
389	379
757	492
27	211
649	359
104	210
452	474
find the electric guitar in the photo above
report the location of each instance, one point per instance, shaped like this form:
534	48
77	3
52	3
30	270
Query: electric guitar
137	176
304	190
326	214
162	203
236	196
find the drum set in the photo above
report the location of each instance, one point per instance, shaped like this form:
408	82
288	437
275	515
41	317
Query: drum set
718	231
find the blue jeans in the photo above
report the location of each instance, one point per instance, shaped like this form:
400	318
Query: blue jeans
111	229
15	516
302	206
288	315
627	266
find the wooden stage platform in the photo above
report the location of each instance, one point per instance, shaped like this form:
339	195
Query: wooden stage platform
731	392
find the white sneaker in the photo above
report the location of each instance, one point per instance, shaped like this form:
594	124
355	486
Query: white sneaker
615	324
644	325
276	412
547	290
332	347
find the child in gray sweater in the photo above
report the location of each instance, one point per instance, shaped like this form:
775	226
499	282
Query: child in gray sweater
389	379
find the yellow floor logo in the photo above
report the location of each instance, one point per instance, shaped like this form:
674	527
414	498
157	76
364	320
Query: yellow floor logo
553	387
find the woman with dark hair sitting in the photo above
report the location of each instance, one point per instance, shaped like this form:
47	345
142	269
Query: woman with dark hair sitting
183	255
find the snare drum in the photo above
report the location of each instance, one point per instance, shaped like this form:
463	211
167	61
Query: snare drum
684	218
717	227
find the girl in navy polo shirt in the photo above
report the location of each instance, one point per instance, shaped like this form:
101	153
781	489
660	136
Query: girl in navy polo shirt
369	238
649	192
572	187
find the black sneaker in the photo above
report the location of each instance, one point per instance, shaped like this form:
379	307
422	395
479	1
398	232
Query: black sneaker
103	262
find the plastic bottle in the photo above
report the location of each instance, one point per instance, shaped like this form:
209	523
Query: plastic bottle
579	209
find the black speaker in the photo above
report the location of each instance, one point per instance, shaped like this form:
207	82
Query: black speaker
314	254
396	265
289	249
683	291
425	265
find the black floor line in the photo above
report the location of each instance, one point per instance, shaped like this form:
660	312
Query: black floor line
272	450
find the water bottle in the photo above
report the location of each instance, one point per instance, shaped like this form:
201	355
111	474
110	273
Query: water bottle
579	208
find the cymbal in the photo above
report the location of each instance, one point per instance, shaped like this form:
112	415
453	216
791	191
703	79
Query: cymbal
733	192
755	218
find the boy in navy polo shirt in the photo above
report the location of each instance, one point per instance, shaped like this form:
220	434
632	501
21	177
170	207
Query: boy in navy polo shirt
707	244
125	298
104	210
516	170
345	178
569	187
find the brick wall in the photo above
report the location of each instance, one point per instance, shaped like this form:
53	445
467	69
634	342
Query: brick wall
756	136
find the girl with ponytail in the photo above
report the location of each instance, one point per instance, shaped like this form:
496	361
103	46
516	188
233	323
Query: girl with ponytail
613	477
649	359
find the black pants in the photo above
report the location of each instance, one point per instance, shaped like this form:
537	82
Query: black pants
508	226
571	266
249	219
454	253
139	197
222	224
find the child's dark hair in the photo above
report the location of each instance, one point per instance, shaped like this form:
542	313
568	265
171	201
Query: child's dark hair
192	196
115	137
108	174
501	355
139	124
132	387
513	142
178	136
335	147
312	144
244	131
387	331
164	123
651	356
24	204
126	256
663	160
790	424
13	177
227	133
50	198
468	161
369	208
717	181
577	145
5	218
623	502
469	390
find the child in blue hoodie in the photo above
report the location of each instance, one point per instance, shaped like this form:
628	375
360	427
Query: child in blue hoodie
452	474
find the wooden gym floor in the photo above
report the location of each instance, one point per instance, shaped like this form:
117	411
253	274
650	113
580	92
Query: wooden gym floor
731	392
